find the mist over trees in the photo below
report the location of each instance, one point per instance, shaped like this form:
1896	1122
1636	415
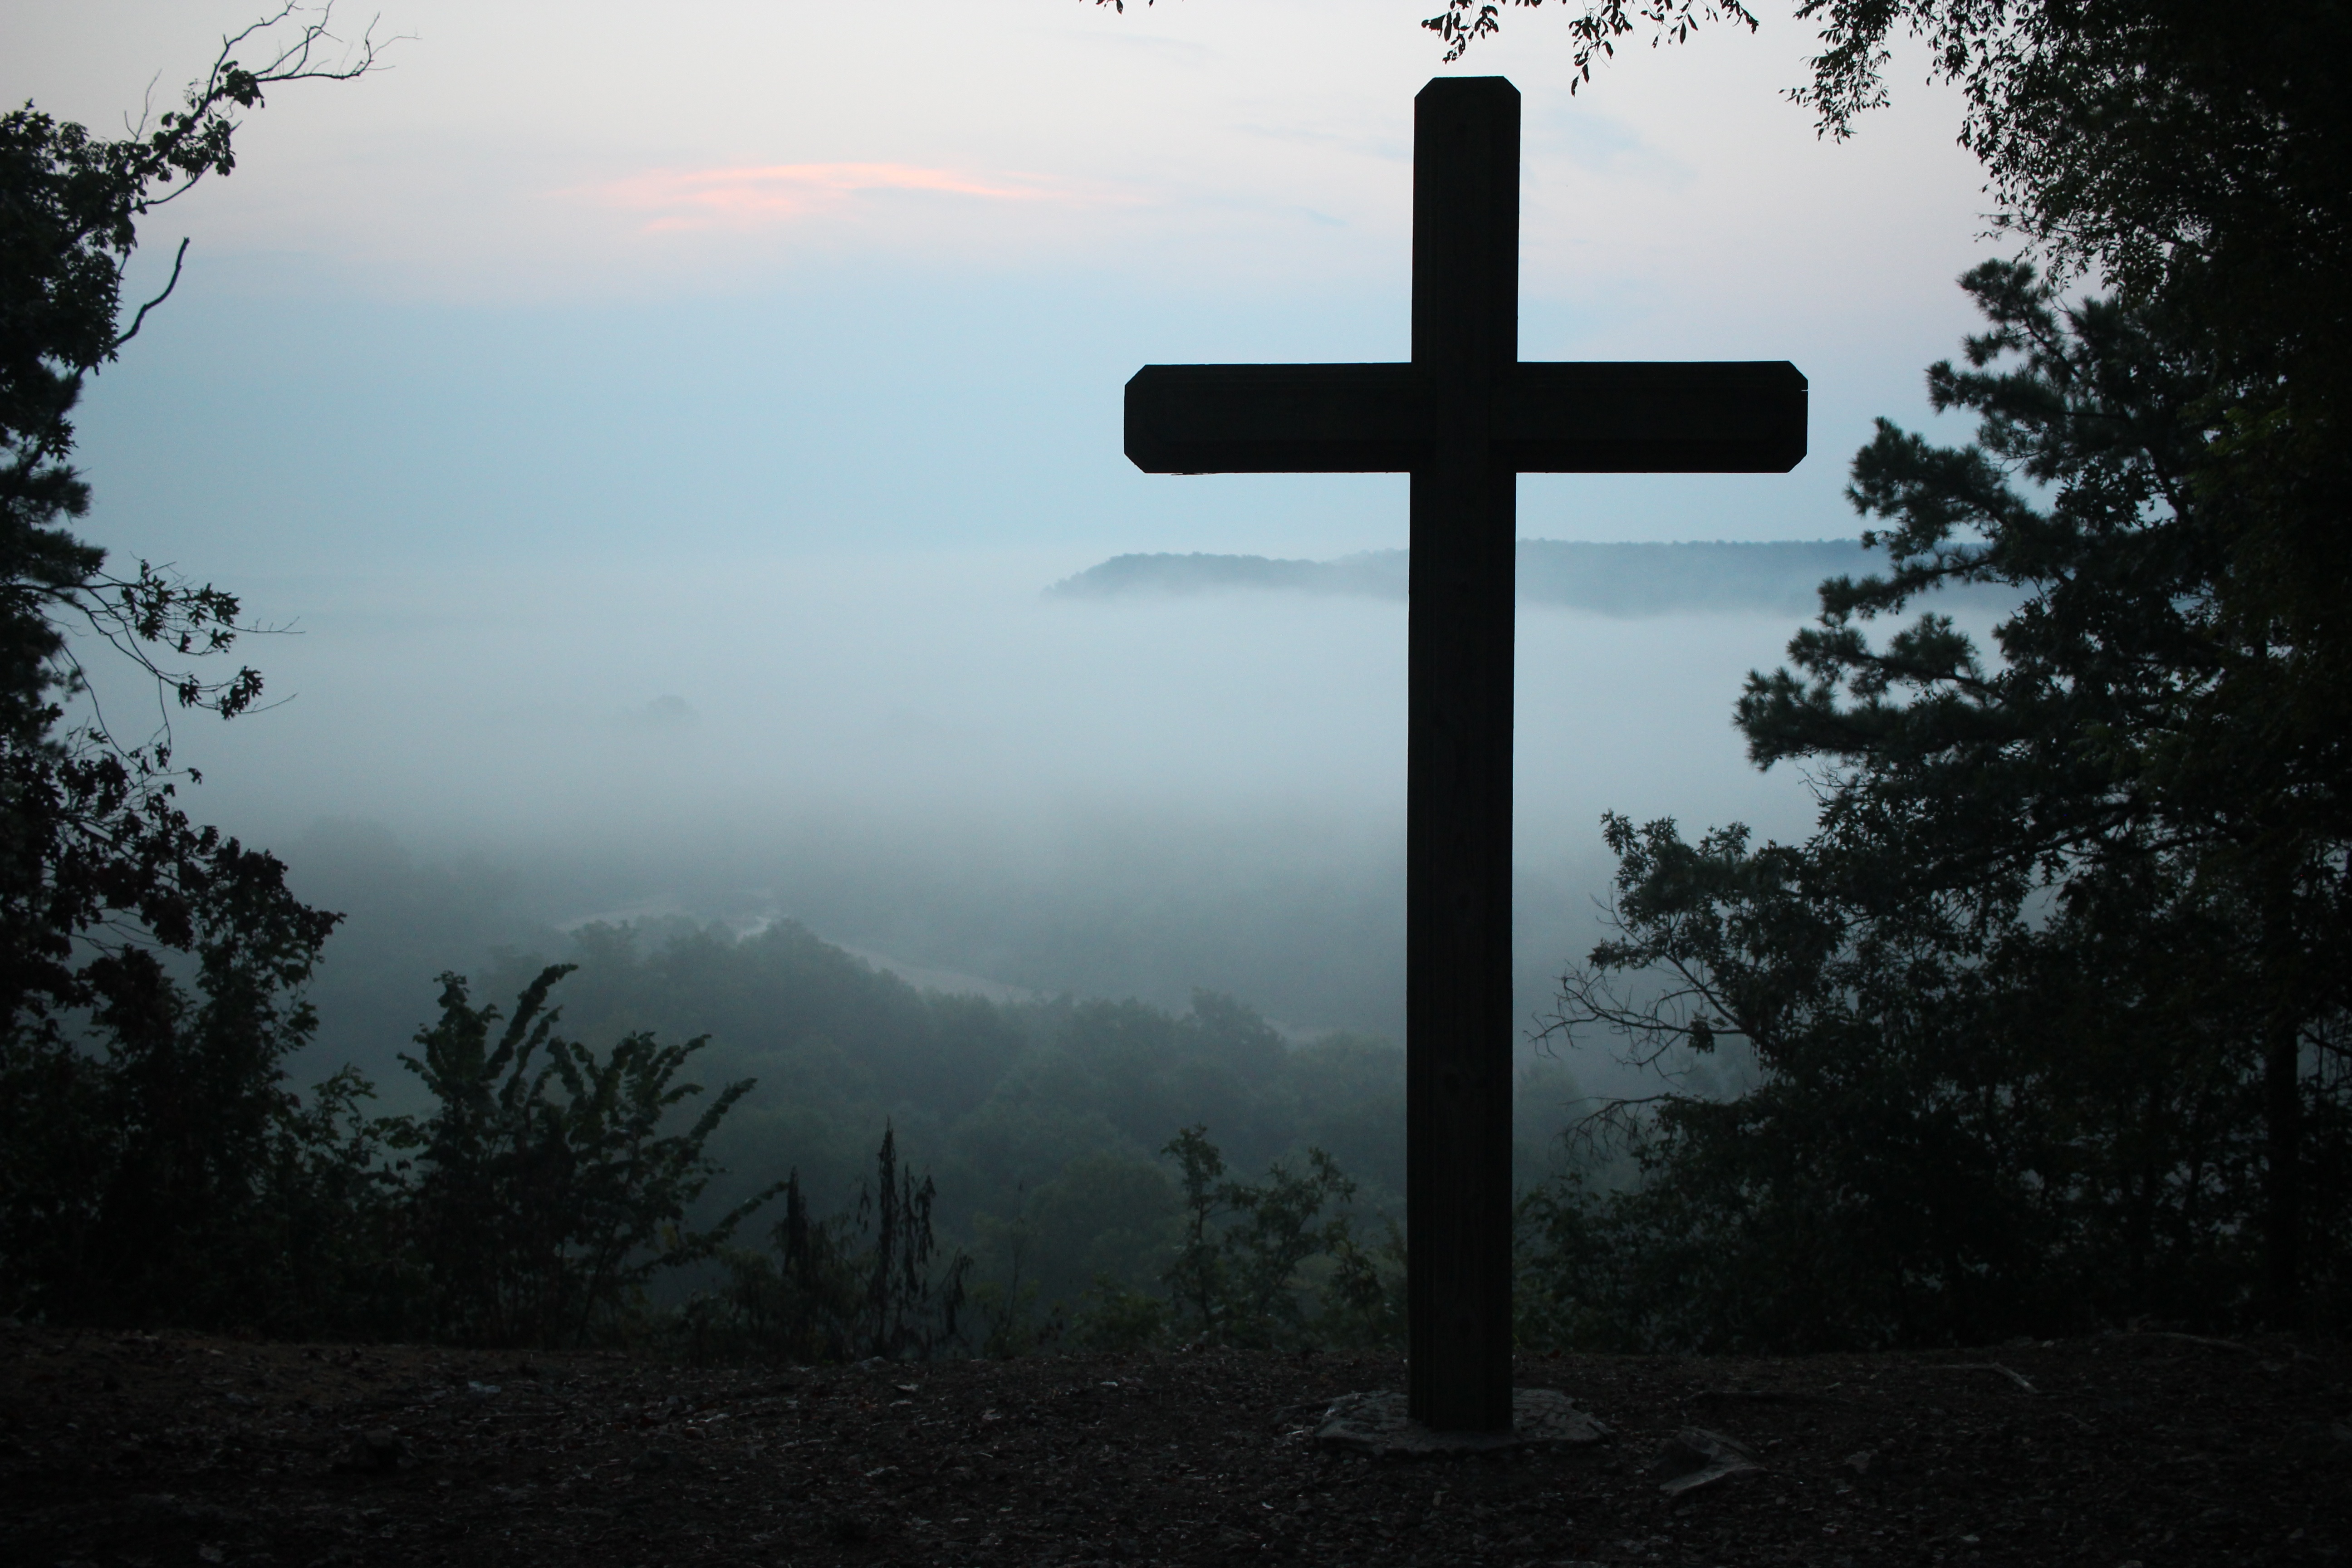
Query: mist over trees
554	1192
2043	1026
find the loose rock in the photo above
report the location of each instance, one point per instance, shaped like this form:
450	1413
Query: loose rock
1695	1457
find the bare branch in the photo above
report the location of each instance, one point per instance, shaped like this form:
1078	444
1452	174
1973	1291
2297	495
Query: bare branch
196	140
139	320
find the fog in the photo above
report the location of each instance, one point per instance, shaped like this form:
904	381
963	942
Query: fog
611	615
929	760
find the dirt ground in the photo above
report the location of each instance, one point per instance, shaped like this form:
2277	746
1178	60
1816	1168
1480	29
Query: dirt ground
2126	1449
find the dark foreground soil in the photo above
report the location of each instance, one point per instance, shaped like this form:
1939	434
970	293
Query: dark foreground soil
2137	1448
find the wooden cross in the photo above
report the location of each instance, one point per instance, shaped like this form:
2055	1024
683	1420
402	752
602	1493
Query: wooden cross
1466	418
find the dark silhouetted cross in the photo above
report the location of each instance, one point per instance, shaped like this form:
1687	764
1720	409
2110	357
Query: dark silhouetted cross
1466	418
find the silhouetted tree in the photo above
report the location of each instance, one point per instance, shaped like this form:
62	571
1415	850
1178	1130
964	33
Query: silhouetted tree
2044	1012
93	851
139	1127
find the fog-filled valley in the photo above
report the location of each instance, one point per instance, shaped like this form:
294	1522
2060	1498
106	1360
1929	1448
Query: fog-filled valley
944	767
746	804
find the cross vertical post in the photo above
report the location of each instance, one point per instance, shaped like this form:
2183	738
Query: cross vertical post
1464	506
1465	417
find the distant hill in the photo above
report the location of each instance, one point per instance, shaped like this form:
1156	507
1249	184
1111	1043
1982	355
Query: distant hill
1778	577
1376	574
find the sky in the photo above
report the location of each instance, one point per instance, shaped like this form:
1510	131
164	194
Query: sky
654	427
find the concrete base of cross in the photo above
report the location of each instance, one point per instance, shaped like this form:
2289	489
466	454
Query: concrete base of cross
1376	1424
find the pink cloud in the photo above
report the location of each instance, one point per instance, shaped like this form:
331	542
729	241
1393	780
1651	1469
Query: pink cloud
775	193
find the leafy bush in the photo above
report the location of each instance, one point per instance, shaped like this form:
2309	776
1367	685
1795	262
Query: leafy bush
1112	1316
547	1194
1242	1275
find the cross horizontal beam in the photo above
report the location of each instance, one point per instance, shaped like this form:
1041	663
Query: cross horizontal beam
1624	417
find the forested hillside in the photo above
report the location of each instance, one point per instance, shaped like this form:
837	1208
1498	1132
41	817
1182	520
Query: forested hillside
1051	1114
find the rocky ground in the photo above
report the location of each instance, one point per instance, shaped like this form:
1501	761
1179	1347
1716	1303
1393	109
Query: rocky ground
2131	1448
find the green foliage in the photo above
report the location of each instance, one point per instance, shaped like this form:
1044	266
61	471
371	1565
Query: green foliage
1076	1258
1241	1272
547	1194
1199	1277
1108	1213
909	1315
2039	1023
170	1178
815	1297
1105	1080
1013	1320
1037	1120
796	1303
160	1172
1117	1317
